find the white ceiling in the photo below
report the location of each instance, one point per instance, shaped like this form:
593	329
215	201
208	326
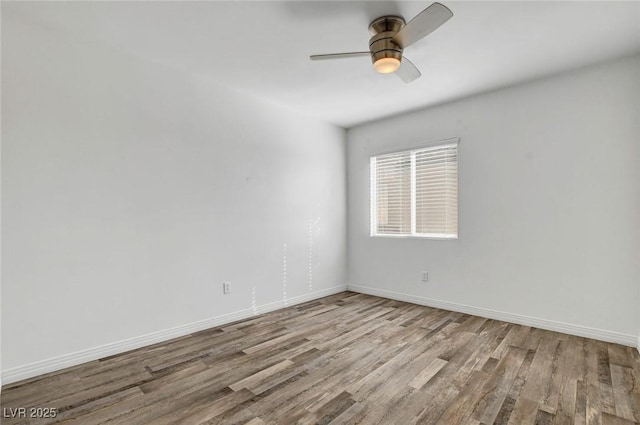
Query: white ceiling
262	47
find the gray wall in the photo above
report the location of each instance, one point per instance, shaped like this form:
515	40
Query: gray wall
131	191
549	202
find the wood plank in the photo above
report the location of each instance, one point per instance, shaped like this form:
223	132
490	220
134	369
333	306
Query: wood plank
427	373
624	390
516	337
524	412
608	419
461	408
618	355
594	373
258	377
539	379
495	389
216	408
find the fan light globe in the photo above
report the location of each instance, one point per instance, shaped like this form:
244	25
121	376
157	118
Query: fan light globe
386	65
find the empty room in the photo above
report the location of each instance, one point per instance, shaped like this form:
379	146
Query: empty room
320	212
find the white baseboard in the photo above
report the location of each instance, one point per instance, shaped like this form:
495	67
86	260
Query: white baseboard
50	365
72	359
567	328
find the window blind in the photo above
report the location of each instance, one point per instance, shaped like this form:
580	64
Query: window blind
393	193
415	193
437	191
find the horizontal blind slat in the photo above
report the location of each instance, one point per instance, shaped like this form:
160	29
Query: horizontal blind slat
435	189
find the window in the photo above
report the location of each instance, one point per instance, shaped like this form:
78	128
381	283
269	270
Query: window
415	192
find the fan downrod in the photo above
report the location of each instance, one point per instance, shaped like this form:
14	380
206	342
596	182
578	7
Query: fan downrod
386	23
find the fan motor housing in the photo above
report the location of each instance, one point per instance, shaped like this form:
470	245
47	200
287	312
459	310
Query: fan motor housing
381	43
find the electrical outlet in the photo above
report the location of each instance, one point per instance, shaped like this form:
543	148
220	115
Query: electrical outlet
226	287
425	276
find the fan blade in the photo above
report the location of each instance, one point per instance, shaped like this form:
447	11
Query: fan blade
339	55
408	71
423	24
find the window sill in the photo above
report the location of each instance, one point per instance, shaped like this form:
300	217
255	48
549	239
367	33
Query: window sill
433	237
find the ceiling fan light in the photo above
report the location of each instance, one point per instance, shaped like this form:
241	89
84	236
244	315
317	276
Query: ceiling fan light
386	65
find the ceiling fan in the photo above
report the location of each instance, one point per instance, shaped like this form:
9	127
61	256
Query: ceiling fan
391	35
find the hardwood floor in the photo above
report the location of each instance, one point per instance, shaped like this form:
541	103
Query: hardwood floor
348	359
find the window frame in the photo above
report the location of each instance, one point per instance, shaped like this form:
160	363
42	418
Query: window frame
373	225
